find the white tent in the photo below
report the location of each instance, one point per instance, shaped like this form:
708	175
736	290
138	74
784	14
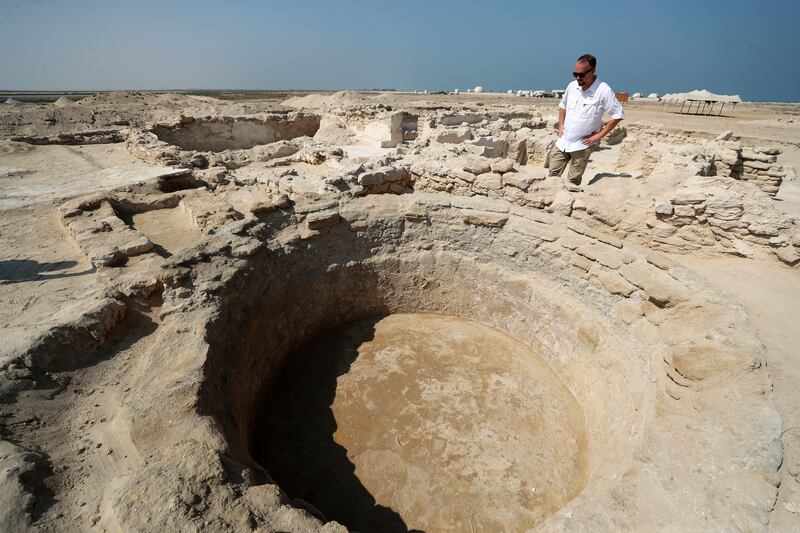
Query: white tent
702	95
700	102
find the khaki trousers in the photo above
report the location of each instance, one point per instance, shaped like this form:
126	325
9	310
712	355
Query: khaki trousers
577	163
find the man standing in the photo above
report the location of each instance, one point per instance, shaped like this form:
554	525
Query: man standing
580	119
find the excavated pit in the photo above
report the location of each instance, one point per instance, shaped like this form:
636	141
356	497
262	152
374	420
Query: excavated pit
468	404
409	419
236	133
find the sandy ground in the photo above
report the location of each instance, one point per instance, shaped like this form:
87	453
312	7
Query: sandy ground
770	294
41	268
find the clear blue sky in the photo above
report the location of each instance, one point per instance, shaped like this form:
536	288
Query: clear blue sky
734	47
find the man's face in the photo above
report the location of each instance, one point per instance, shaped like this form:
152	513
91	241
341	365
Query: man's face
584	74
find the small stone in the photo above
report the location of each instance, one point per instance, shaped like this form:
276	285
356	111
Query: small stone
454	136
601	253
260	207
767	230
502	166
654	314
322	219
664	209
477	165
111	258
689	196
534	229
562	203
485	218
724	136
581	262
659	260
615	284
758	165
519	180
489	181
769	150
686	211
788	255
659	287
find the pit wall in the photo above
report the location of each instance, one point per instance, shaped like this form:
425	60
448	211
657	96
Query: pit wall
455	284
638	385
394	266
236	133
228	142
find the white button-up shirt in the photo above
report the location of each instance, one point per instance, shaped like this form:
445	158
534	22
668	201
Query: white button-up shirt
585	113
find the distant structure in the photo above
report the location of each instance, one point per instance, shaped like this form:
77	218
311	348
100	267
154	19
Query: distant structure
478	89
700	102
652	95
456	91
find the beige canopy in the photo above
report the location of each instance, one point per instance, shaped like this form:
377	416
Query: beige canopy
700	102
701	95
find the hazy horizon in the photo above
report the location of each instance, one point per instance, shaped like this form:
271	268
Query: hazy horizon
737	47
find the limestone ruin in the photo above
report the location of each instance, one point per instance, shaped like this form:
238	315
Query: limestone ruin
376	312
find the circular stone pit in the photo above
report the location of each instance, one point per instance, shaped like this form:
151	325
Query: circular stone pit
418	420
261	290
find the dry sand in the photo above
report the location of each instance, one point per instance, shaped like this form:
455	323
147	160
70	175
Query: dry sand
147	310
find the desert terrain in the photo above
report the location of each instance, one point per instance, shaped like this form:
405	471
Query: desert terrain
377	312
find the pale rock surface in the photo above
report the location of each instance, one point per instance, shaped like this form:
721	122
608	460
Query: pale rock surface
138	381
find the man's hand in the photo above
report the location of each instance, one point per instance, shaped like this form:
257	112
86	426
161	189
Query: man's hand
592	139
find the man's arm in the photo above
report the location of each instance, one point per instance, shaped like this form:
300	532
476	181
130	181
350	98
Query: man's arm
562	112
614	109
610	125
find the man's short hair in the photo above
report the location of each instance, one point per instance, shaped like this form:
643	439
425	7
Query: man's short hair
588	58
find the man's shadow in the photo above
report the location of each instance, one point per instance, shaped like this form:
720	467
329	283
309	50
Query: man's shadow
597	177
293	434
20	270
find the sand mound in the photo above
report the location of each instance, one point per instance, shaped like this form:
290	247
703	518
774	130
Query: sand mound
63	101
324	101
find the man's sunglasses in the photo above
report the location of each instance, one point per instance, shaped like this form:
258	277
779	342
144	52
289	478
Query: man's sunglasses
582	74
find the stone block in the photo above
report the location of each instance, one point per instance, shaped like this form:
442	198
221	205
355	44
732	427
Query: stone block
603	254
489	181
502	166
758	165
322	219
689	196
662	289
665	209
615	284
520	180
454	136
766	230
581	262
477	165
534	229
485	218
788	255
